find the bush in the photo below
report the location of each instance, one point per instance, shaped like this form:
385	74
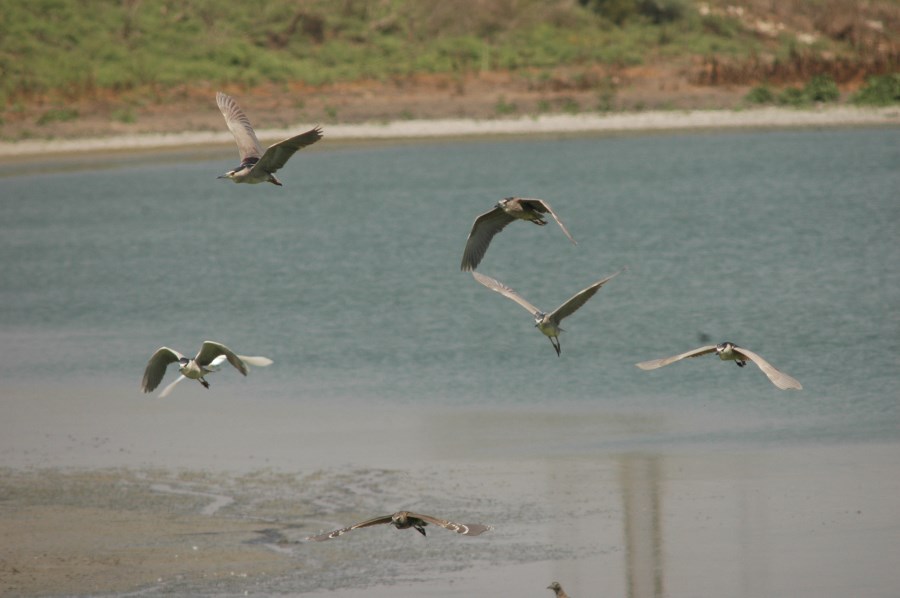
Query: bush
792	97
821	88
619	11
881	90
761	94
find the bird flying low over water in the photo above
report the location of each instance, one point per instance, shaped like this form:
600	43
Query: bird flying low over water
256	166
406	520
730	352
490	223
547	323
211	356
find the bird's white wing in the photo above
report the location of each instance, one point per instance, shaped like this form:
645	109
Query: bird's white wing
483	230
279	153
658	363
156	367
778	378
240	127
542	206
466	529
211	349
579	299
496	285
165	392
216	364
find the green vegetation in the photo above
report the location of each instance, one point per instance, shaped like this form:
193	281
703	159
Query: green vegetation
761	94
504	108
819	89
57	115
794	97
621	11
570	106
59	50
882	90
124	115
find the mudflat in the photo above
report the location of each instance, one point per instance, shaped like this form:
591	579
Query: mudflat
169	518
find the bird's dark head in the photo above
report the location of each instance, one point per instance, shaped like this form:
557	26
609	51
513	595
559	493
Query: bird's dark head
183	361
724	347
504	201
555	586
538	318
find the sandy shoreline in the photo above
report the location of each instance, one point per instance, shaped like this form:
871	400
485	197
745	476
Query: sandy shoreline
444	128
776	523
214	495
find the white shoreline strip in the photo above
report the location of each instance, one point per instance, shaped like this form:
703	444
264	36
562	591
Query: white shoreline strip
543	124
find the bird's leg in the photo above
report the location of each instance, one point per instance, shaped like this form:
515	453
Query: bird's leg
740	363
420	529
555	344
204	383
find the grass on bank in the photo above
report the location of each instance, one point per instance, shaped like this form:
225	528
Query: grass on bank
68	49
880	90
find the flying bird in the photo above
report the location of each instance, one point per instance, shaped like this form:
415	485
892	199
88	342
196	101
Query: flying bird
256	166
546	323
492	222
211	356
406	520
730	352
560	593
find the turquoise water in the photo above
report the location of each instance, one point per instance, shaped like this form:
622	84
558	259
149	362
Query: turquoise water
785	242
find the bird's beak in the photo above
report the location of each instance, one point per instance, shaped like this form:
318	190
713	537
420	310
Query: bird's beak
222	176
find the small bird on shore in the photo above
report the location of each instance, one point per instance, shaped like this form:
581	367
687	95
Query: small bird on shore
211	356
560	593
547	323
492	222
406	520
256	166
728	351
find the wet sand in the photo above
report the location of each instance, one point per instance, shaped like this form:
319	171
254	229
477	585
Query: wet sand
199	495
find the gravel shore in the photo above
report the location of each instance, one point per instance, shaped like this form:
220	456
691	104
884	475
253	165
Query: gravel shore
444	128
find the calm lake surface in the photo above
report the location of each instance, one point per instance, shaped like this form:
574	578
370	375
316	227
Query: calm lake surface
399	382
348	276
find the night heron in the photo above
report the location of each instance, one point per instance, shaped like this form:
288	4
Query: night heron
211	356
490	223
730	352
406	520
256	166
546	323
560	593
